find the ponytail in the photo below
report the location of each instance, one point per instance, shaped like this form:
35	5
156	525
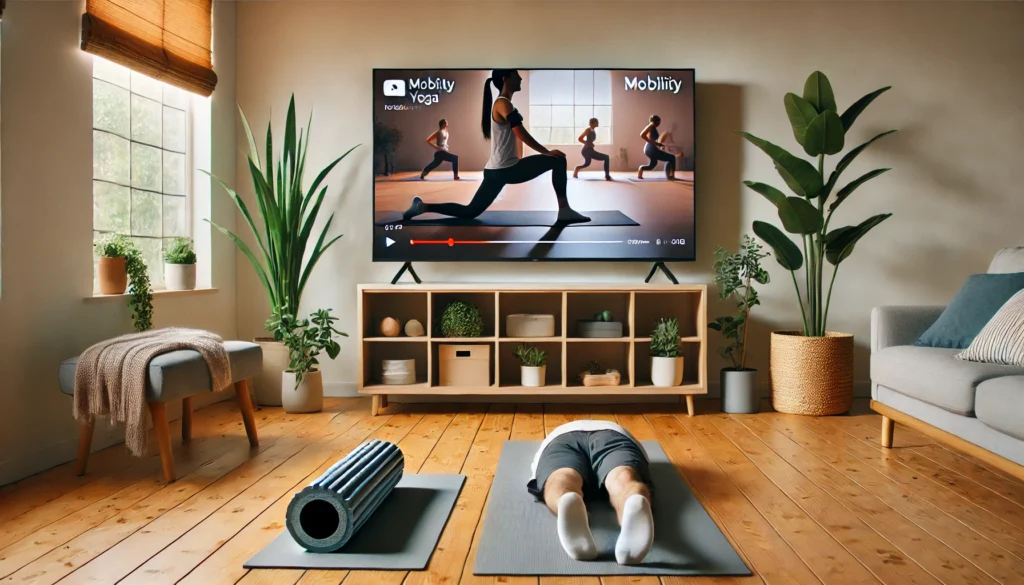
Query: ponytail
498	79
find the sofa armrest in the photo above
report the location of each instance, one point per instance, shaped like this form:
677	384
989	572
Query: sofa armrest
900	325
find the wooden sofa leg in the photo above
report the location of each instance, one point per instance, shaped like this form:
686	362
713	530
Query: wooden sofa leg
689	404
248	417
158	410
84	447
186	419
888	426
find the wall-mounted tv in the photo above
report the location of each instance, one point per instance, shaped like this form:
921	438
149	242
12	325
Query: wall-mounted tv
617	184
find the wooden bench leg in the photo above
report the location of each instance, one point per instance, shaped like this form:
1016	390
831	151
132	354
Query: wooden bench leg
158	410
888	427
84	447
248	417
689	404
186	419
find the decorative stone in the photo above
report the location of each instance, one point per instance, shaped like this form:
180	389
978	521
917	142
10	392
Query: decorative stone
414	328
390	327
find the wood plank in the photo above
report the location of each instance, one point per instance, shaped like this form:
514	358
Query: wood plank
941	561
998	483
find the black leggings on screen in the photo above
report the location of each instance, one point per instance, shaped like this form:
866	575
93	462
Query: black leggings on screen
439	157
589	153
526	169
656	154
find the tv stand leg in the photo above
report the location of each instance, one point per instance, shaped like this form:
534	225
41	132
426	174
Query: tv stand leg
689	404
661	266
405	267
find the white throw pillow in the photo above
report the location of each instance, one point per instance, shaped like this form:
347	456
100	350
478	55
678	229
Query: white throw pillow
1001	340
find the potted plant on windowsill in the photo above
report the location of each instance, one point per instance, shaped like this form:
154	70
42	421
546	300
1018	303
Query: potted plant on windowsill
812	369
282	256
737	273
533	366
666	363
120	264
302	383
180	265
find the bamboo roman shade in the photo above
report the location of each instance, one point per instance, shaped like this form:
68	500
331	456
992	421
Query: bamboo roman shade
168	40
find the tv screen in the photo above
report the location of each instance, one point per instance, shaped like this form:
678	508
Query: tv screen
579	164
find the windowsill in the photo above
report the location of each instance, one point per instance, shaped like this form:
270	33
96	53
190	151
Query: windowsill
157	294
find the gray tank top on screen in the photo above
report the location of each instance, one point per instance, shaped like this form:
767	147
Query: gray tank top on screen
503	143
442	139
590	137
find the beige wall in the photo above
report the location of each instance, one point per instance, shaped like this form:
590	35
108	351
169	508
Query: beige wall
46	172
955	68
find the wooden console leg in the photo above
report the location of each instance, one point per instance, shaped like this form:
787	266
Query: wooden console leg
383	400
248	417
186	419
375	404
158	410
84	447
689	404
888	426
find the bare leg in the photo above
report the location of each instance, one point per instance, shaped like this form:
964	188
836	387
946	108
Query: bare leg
563	494
631	499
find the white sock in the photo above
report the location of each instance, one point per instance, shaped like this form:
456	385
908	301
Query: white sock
574	528
637	532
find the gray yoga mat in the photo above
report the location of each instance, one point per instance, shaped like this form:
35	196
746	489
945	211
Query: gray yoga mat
507	219
401	535
519	535
431	178
659	179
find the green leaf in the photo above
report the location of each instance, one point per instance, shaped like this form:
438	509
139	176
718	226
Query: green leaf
851	113
825	134
786	252
852	186
800	217
818	92
253	151
770	193
800	113
799	175
847	160
288	153
839	242
260	272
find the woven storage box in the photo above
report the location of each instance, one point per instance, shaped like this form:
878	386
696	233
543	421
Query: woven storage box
812	375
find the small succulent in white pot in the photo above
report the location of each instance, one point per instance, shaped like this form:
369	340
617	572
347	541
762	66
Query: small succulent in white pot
534	365
180	265
666	363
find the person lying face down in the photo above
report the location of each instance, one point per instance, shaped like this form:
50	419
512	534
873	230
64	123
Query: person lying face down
597	459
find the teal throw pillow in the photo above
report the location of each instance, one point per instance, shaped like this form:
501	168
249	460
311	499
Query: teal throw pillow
965	316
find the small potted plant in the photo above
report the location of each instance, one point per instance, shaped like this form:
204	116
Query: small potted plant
534	364
180	265
666	363
594	374
302	384
461	319
737	273
120	262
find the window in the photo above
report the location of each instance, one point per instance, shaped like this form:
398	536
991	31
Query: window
141	160
563	102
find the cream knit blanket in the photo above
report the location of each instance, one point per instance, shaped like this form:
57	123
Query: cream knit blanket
110	378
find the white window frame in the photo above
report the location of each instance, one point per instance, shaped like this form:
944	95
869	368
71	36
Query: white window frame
543	132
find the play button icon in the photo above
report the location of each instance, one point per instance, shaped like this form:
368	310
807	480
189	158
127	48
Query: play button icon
388	241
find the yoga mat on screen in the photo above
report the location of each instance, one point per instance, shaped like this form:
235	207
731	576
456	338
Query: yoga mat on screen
661	179
432	179
519	535
507	219
401	534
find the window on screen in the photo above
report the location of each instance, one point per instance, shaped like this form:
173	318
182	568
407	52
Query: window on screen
562	102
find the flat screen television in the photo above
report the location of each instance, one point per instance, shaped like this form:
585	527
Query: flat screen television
445	192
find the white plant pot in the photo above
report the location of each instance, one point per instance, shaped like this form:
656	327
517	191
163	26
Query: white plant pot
666	371
267	383
180	276
307	397
533	376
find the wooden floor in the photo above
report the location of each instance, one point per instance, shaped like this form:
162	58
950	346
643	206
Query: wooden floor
804	500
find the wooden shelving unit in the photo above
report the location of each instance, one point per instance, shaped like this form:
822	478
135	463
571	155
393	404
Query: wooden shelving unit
636	306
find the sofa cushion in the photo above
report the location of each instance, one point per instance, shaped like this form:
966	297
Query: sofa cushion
177	374
978	300
1000	405
1007	260
1001	341
934	375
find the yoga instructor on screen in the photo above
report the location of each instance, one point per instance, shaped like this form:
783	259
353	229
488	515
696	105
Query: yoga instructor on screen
654	151
439	142
502	124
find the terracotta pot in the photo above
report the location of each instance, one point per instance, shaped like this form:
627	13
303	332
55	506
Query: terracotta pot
113	276
180	276
666	371
308	396
812	375
267	383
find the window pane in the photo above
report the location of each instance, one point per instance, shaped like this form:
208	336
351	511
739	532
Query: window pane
583	116
112	72
110	207
109	107
146	121
147	87
584	82
561	115
604	135
603	87
175	97
604	114
152	253
174	173
174	129
562	136
540	116
542	134
562	88
146	213
540	87
110	158
147	167
174	216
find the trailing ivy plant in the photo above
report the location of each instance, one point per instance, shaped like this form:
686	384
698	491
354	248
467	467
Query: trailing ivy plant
306	338
820	130
531	356
180	251
140	292
736	273
665	338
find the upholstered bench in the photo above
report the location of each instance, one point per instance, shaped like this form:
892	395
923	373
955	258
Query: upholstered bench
178	375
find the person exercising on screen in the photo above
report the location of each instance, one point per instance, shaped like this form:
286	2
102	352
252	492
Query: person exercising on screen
587	138
654	152
595	458
439	142
502	124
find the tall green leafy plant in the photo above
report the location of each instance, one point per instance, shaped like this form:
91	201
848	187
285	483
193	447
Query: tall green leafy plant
287	212
821	131
140	291
737	274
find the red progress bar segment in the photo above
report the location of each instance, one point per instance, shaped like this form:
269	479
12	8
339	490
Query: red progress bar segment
448	242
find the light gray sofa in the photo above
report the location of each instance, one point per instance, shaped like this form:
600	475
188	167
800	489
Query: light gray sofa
975	407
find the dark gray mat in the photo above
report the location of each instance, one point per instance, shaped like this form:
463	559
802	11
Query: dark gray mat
434	179
507	219
401	535
519	535
661	179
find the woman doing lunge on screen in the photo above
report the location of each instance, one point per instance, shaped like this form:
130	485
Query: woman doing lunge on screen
587	138
439	142
654	151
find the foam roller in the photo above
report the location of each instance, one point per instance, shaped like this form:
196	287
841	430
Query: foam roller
328	512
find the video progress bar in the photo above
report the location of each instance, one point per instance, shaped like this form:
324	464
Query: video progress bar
453	242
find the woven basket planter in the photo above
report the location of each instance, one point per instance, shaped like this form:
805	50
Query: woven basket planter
812	375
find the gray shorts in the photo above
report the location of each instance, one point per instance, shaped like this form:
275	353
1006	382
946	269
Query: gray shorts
592	454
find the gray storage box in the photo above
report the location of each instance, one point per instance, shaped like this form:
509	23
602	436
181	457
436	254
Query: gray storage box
587	328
